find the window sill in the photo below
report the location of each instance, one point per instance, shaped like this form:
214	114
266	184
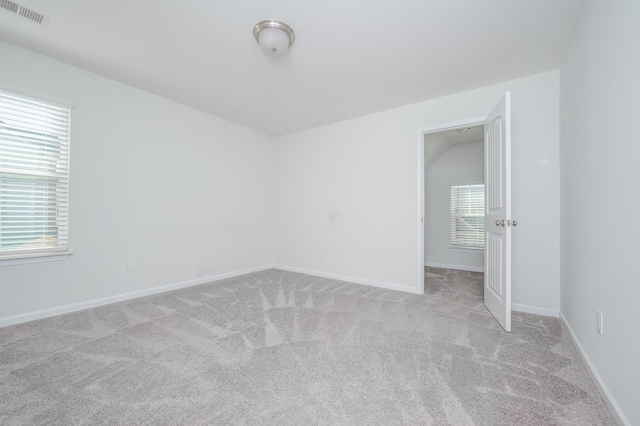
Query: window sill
34	258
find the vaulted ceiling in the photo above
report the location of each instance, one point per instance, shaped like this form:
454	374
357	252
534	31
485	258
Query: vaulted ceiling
350	57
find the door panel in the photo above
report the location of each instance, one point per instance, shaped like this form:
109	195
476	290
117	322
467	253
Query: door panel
497	259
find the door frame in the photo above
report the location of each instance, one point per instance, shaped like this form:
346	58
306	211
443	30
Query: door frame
471	122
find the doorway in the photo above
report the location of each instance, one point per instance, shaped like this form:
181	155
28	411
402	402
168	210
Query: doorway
497	206
454	199
438	145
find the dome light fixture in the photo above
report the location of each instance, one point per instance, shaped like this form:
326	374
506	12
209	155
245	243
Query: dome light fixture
274	37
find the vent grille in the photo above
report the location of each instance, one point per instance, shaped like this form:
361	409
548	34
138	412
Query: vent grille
9	5
29	14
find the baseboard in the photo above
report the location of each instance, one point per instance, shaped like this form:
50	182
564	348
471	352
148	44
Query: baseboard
555	313
613	406
456	267
371	283
45	313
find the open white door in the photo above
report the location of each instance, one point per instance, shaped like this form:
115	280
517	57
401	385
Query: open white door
497	219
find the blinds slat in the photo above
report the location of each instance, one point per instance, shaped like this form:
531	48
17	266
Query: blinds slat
26	108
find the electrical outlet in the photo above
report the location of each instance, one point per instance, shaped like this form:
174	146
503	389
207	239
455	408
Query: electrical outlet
321	252
126	266
600	325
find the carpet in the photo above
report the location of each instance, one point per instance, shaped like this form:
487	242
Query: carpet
277	347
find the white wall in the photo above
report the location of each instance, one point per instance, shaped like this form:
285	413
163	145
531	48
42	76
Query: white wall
600	165
199	192
182	194
352	189
459	164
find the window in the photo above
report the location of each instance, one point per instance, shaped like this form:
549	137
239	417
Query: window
34	176
467	216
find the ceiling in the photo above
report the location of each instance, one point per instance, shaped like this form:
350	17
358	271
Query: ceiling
437	143
350	57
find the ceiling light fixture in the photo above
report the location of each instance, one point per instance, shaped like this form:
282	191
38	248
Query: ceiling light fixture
274	37
463	130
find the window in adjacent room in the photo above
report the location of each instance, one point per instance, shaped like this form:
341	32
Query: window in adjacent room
34	177
467	216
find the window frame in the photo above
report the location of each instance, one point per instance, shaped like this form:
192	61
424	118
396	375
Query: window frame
51	147
453	229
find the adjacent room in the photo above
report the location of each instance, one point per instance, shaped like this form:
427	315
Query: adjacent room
335	213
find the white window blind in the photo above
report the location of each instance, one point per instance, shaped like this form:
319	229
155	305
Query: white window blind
34	176
467	216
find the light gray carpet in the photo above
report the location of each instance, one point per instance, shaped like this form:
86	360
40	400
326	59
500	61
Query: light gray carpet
281	348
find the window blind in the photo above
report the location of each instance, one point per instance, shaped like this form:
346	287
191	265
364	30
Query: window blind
467	216
34	176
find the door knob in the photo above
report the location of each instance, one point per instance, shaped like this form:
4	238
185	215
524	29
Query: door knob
514	223
500	223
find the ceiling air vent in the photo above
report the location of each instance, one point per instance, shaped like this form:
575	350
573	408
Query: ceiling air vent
9	5
29	14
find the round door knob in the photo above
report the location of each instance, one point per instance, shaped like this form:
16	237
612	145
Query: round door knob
514	223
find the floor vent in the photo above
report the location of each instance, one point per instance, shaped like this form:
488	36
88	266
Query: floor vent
29	14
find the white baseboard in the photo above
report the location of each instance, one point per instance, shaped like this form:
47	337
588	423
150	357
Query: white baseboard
45	313
456	267
613	406
555	313
350	279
